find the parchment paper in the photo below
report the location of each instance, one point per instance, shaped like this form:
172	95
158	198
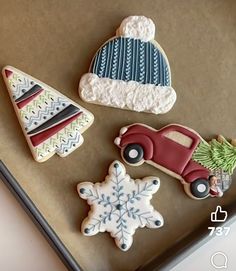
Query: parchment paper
55	41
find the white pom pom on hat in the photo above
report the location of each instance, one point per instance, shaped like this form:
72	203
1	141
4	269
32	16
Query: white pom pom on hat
137	27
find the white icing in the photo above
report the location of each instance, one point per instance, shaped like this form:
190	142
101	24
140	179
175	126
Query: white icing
120	205
201	188
19	84
217	190
42	108
137	27
60	143
117	141
123	130
127	95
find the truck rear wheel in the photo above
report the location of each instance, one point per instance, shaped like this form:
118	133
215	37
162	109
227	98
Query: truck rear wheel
133	154
200	188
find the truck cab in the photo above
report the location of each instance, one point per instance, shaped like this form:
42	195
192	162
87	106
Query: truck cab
169	149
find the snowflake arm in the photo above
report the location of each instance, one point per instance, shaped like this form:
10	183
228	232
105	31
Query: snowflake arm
120	205
144	188
90	192
87	191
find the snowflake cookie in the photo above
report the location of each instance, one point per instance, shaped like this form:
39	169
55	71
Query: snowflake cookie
120	205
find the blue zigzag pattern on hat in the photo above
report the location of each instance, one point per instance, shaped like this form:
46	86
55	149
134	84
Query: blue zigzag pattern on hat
130	59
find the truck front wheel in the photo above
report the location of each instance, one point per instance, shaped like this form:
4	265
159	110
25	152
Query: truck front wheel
200	188
133	154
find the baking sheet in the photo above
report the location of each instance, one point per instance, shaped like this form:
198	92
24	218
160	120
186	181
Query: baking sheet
38	219
54	41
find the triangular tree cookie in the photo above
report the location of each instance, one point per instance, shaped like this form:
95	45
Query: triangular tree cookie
51	122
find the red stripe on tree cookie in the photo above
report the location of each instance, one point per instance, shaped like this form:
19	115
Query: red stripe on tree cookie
8	73
65	114
41	137
26	101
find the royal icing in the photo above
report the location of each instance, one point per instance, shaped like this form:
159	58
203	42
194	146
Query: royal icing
180	152
120	205
137	27
52	123
127	95
128	68
215	155
130	59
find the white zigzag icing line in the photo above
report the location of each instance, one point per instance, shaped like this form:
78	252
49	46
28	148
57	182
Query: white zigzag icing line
103	61
128	65
142	66
115	58
156	67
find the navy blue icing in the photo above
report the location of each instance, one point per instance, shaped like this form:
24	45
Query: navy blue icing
130	59
35	89
65	114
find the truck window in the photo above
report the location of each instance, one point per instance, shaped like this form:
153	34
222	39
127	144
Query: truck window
180	138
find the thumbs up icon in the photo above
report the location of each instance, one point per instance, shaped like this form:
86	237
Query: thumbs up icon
218	215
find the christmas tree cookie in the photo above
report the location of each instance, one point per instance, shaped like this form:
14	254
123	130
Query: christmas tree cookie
218	153
51	122
120	205
130	71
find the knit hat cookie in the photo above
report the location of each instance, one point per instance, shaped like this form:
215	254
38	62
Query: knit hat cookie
51	122
130	71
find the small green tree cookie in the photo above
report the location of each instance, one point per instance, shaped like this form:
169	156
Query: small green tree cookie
216	155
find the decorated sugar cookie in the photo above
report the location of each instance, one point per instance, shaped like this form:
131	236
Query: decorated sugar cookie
120	205
130	71
51	122
203	168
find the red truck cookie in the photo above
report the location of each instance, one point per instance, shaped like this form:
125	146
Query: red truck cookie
182	153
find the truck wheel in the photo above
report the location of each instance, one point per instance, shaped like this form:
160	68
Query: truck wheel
133	153
200	188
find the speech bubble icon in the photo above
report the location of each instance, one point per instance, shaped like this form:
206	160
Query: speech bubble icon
219	260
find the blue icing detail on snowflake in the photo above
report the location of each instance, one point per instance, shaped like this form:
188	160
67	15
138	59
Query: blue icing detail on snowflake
131	59
120	205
